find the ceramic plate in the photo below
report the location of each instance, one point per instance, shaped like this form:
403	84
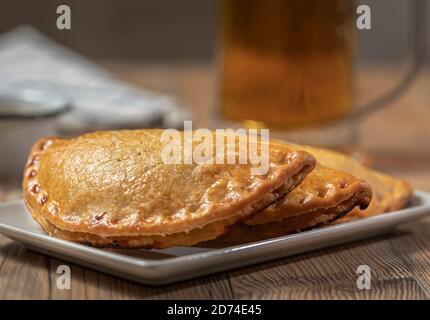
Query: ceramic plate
157	267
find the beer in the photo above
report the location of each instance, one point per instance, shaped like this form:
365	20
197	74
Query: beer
286	63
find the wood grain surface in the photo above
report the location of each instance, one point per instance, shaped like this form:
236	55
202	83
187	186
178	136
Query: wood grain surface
397	139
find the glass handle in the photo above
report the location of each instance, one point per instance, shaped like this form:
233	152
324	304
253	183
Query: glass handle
404	84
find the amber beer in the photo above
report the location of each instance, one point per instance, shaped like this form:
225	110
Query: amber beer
286	63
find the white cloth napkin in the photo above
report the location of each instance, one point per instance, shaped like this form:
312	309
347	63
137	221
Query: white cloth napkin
30	60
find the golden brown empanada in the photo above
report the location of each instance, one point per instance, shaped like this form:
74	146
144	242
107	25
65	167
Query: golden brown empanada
325	195
327	191
389	193
112	189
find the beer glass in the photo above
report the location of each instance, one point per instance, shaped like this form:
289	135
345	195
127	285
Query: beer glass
287	64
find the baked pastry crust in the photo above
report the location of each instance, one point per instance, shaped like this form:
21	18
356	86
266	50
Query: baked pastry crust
326	191
206	233
324	196
389	193
251	233
111	188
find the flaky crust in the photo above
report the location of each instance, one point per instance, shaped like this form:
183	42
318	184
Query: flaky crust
323	197
208	232
295	223
324	189
389	193
107	185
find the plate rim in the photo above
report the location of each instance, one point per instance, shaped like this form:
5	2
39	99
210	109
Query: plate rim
154	271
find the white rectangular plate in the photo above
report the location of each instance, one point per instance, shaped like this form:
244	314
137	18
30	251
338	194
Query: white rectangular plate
157	267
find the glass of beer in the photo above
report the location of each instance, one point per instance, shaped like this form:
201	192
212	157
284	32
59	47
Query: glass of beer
287	64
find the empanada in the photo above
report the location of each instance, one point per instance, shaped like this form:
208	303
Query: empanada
325	195
111	188
389	193
326	192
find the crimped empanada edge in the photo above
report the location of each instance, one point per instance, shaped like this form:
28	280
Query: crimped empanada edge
302	164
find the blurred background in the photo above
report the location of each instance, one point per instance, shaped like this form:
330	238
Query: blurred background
177	31
155	63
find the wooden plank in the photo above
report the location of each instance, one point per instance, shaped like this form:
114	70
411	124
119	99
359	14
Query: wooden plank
396	289
23	274
414	250
90	284
330	274
211	287
77	285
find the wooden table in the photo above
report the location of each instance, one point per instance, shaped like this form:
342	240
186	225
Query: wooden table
398	138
